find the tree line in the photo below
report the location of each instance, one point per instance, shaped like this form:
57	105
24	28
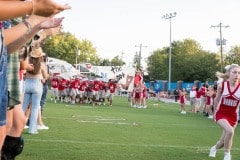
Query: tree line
67	47
189	61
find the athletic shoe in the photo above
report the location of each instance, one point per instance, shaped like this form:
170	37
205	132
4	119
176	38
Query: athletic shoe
26	127
33	132
227	156
183	112
210	116
213	152
42	127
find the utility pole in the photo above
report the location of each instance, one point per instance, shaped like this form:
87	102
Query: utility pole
77	54
76	57
122	53
140	54
221	41
169	17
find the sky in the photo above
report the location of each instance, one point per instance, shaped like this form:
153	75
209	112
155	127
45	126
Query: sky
119	27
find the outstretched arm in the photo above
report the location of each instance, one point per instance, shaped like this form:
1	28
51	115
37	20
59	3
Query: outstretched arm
23	34
14	9
48	32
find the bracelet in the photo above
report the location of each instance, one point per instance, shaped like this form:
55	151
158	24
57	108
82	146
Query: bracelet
26	23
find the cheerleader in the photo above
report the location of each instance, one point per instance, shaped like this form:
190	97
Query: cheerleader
182	95
226	107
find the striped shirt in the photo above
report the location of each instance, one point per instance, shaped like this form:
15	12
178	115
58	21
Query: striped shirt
13	78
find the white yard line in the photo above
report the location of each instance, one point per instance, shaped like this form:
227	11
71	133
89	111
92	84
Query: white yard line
82	121
198	149
114	120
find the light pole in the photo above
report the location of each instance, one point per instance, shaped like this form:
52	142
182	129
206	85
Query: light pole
170	16
122	58
221	41
140	55
77	54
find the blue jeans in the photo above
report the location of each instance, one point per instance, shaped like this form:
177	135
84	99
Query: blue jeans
44	95
3	84
32	93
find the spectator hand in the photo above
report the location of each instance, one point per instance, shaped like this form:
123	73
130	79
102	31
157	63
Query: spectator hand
53	31
48	8
51	23
43	81
30	67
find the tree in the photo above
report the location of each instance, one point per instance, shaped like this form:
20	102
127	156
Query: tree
88	52
157	65
116	61
105	62
65	46
233	56
189	62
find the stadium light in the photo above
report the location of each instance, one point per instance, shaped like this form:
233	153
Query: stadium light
170	16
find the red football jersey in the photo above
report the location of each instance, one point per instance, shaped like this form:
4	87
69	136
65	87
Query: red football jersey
55	83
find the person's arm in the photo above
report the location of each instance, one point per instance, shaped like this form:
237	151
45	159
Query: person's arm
44	73
48	32
23	33
14	9
218	96
25	65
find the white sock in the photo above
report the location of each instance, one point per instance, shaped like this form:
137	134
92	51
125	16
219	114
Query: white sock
226	153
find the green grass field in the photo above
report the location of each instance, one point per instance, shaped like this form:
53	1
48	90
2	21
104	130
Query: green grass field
121	132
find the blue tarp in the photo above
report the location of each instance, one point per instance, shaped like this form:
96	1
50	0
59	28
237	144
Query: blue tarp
158	85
